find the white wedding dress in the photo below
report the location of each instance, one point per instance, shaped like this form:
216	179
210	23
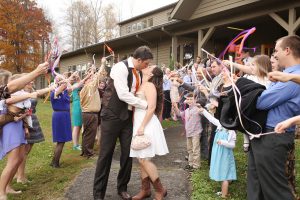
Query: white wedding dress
153	131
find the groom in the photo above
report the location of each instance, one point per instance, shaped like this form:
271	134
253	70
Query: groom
116	120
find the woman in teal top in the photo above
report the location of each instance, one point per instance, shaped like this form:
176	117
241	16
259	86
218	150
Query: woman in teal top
76	116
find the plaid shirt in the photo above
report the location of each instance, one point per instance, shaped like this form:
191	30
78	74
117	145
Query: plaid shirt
192	119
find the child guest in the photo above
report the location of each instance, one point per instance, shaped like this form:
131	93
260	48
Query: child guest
222	164
193	128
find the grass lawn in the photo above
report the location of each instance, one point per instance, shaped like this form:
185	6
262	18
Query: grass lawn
204	188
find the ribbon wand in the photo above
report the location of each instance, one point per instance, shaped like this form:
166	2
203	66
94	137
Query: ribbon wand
109	56
231	65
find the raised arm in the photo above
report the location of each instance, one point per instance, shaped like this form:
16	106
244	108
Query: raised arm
186	86
20	83
211	118
151	94
284	77
59	90
45	90
276	95
16	99
243	68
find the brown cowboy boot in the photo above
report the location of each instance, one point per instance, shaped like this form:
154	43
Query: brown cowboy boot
145	190
160	191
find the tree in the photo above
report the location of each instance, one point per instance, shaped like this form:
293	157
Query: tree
90	23
23	28
79	21
110	30
96	15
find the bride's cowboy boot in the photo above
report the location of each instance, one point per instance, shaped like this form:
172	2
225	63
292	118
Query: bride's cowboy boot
145	190
160	191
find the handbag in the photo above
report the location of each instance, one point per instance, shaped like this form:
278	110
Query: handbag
140	142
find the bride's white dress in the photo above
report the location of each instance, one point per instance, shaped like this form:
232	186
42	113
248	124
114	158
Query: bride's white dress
153	131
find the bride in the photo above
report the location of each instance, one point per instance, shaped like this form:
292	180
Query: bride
146	123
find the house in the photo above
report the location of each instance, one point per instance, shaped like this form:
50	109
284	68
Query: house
178	31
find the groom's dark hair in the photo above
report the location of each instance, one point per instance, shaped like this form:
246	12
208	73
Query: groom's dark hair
143	53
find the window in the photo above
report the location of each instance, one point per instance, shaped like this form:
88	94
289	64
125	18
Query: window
150	22
128	29
83	68
139	26
133	27
144	24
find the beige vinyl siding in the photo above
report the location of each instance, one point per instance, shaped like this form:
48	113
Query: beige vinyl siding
208	7
158	19
162	51
161	18
40	82
162	54
82	59
127	51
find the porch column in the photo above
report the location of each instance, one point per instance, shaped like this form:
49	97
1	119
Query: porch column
174	48
293	23
203	38
200	38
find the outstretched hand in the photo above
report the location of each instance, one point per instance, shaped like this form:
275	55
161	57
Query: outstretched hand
42	68
226	63
279	76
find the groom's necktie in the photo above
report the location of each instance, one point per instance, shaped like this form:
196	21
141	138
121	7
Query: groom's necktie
137	85
137	80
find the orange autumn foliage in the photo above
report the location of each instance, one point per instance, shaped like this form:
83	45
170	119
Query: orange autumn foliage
23	28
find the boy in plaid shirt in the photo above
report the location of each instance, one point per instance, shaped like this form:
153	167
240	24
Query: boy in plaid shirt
193	128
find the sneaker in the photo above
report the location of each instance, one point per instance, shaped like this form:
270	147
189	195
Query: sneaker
219	193
77	147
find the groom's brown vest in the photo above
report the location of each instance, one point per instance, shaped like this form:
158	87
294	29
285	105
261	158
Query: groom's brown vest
112	106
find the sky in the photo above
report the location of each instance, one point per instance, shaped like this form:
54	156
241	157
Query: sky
127	8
